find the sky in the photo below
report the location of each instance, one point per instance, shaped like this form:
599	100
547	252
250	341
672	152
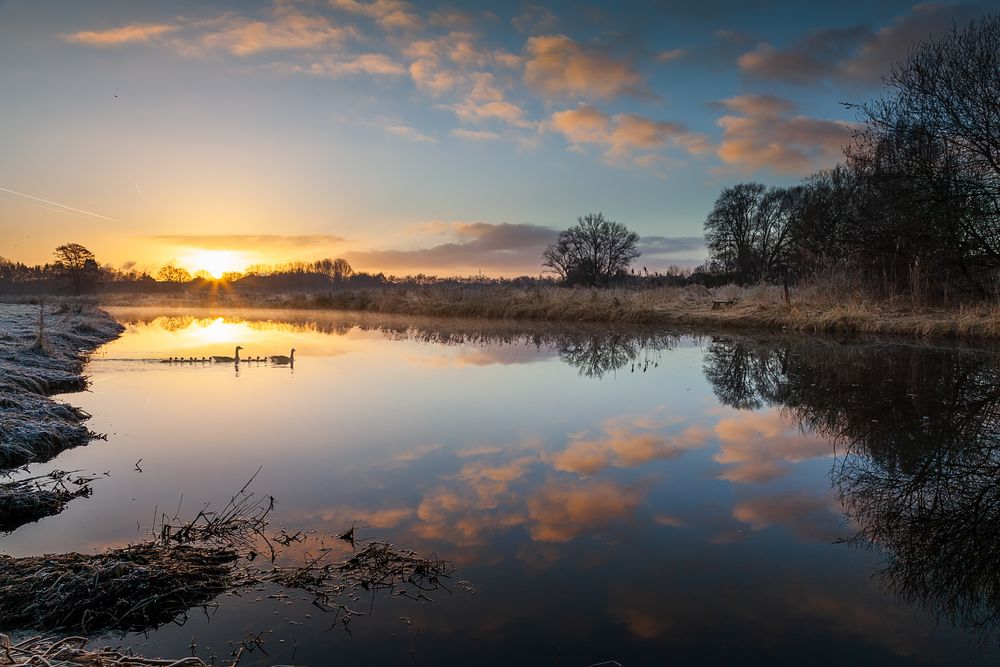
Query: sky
415	136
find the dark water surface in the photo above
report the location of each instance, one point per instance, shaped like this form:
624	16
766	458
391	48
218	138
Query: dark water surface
642	497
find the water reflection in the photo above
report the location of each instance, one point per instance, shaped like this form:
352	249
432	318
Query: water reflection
611	494
919	474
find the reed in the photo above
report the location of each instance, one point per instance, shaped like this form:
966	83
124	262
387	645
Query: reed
28	500
832	303
73	652
827	306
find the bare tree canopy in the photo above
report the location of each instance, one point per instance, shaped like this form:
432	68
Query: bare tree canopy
78	265
595	251
931	149
748	231
915	206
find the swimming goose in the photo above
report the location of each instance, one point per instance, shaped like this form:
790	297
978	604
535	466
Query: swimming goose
232	359
282	359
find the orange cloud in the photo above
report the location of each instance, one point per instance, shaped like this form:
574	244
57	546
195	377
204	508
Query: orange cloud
135	32
288	29
556	66
411	133
626	444
490	483
285	29
560	512
624	136
385	517
759	446
390	14
367	63
764	136
427	69
810	517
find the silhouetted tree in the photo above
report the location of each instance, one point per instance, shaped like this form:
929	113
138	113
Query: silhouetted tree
748	231
938	132
173	274
78	266
593	252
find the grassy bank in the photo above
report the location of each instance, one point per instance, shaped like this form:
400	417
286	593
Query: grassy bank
829	307
42	352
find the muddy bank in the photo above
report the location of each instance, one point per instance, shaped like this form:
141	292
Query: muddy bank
41	356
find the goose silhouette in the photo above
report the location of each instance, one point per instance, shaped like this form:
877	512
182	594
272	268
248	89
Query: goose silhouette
282	360
232	359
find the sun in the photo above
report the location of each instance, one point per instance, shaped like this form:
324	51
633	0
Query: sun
217	262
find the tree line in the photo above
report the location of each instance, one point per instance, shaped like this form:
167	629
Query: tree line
915	204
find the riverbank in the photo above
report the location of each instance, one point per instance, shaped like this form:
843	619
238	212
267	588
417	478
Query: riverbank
42	352
814	309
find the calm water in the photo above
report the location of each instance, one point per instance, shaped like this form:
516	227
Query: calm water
648	498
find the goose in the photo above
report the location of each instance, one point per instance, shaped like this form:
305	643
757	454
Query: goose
235	358
282	359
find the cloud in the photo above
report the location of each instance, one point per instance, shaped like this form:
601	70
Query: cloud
763	135
428	69
534	20
558	512
855	54
626	444
491	482
809	517
135	32
368	63
474	135
759	447
250	241
411	133
556	66
389	14
386	517
503	247
485	102
653	246
624	137
285	28
670	55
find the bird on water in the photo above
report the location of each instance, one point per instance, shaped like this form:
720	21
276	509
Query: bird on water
235	358
282	359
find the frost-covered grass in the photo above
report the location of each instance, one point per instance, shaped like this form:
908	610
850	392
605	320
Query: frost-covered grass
33	426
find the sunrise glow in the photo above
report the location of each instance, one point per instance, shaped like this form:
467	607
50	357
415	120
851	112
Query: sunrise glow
216	262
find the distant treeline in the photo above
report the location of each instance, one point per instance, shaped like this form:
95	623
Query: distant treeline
915	206
81	274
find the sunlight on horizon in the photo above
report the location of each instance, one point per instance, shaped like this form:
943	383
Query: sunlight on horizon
216	262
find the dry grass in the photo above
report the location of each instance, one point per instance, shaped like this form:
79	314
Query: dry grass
42	352
130	589
836	304
73	652
28	500
815	308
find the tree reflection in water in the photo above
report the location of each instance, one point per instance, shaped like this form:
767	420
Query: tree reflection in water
919	469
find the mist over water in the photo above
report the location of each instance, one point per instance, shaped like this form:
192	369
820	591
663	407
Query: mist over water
608	494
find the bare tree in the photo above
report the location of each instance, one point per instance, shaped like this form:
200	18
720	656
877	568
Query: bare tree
937	134
593	252
78	265
748	231
174	274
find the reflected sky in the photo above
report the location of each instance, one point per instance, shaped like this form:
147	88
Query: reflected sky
663	506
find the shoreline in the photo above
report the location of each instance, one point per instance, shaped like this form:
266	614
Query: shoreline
814	309
34	427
